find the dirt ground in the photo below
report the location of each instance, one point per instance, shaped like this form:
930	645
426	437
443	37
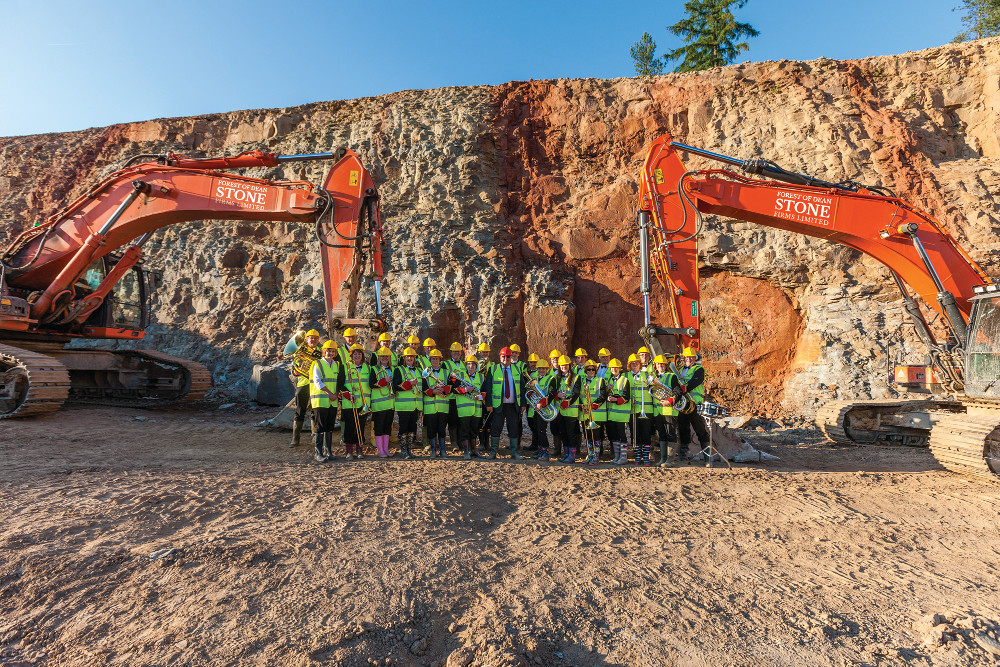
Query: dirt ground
189	537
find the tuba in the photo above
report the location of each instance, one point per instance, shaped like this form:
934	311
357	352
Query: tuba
468	386
534	396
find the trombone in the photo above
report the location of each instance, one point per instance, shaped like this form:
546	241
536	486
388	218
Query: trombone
590	406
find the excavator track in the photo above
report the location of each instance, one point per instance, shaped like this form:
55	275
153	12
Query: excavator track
197	381
31	383
968	444
868	422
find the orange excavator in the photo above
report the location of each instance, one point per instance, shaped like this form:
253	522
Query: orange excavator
79	274
960	418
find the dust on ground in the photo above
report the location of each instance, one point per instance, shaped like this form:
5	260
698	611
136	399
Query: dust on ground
189	537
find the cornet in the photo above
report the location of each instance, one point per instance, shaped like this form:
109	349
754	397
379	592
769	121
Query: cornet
468	386
437	380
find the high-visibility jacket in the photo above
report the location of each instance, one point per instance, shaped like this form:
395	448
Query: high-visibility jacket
572	386
324	374
342	353
495	389
467	404
455	367
355	380
408	400
436	404
302	362
620	386
668	380
382	398
642	399
598	394
543	380
694	378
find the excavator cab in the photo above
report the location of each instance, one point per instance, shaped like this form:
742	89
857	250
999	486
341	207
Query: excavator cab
125	311
982	365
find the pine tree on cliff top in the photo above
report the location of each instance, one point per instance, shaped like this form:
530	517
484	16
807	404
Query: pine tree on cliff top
981	19
644	57
710	34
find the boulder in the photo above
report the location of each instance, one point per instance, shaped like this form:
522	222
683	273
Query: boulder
270	385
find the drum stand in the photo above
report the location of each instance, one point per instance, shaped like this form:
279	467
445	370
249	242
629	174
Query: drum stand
709	450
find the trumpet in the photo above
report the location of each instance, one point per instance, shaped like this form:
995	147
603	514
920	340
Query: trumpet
468	386
535	396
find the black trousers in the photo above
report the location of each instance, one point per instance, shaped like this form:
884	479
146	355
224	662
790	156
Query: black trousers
453	414
568	428
509	413
324	419
468	427
642	430
382	422
437	425
408	421
350	429
684	425
538	426
302	404
666	428
616	431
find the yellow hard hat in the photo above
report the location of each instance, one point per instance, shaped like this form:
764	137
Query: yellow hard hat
660	359
643	349
483	347
515	348
312	332
555	354
409	352
564	360
354	348
614	363
413	340
532	356
349	332
689	352
384	352
590	363
384	336
541	363
456	347
472	359
604	352
429	342
435	353
632	358
328	344
580	352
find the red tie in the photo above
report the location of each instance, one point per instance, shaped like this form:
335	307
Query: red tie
506	384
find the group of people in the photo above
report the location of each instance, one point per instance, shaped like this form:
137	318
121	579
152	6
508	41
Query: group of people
468	399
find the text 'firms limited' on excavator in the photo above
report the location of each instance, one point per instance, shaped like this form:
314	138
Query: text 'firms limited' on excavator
961	425
79	274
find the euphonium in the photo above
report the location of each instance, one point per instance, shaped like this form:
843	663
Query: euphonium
660	391
534	396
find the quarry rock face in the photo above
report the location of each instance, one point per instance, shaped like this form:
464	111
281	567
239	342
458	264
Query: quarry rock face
510	214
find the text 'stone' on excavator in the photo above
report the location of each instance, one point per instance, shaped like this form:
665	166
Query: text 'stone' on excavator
79	274
960	419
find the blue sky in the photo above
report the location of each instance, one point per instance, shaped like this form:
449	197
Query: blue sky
71	65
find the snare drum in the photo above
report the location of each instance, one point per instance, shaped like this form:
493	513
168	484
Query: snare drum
707	409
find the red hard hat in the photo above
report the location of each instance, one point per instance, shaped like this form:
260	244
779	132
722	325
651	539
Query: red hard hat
506	351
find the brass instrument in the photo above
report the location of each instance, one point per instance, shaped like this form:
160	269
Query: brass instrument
642	385
365	408
590	406
437	380
468	386
387	378
684	404
660	391
535	396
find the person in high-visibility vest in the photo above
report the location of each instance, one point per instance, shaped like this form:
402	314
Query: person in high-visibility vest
302	361
383	401
409	403
543	376
454	365
505	401
436	390
531	374
691	381
384	340
580	358
485	366
323	397
603	356
619	411
555	427
467	387
564	393
344	351
593	413
642	411
665	419
355	401
645	359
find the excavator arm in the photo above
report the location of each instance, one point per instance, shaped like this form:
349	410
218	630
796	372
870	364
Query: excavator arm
45	263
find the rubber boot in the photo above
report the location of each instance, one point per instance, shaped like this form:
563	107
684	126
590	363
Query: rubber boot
557	446
663	452
494	448
621	452
468	453
595	458
409	439
318	457
296	433
645	454
513	450
453	435
671	459
443	445
328	446
427	441
572	455
349	449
